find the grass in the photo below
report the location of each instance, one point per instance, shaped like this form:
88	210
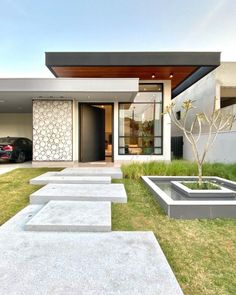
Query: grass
177	167
15	190
204	186
202	253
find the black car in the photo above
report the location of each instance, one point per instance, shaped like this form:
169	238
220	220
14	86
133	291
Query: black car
15	149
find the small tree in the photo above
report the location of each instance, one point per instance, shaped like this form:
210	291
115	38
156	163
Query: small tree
215	122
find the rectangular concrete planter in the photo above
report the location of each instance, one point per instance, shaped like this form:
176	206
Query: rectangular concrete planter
222	192
190	209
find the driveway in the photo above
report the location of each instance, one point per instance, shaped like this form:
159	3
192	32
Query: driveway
7	167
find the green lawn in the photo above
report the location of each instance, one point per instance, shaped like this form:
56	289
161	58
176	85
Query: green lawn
15	190
202	253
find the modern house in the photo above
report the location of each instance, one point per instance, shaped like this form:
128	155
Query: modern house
219	84
101	106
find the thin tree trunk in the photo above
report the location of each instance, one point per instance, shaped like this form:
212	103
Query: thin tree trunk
199	174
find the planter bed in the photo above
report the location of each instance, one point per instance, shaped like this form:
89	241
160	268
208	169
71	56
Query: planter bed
205	204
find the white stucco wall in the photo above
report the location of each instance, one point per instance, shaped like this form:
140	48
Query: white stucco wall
16	125
71	85
74	131
225	74
226	84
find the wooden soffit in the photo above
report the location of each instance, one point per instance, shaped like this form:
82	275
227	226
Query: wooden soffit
175	74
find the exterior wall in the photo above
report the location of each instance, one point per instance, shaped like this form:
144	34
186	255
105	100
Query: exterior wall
52	130
166	133
225	74
75	131
16	125
203	92
226	84
71	85
56	131
231	110
222	151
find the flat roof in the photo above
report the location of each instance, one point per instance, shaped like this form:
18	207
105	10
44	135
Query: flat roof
182	68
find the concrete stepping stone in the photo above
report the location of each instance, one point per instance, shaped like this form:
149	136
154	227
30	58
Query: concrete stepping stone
126	263
114	192
114	172
72	216
18	221
56	177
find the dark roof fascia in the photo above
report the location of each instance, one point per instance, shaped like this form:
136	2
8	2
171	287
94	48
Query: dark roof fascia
62	59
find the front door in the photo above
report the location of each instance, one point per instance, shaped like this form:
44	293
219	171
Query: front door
92	133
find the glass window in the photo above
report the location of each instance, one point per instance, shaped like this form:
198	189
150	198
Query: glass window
140	125
227	101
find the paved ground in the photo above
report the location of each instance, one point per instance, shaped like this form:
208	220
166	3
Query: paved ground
114	192
56	177
124	263
7	167
75	263
114	172
72	216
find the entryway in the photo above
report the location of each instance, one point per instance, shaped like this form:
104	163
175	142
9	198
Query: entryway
96	130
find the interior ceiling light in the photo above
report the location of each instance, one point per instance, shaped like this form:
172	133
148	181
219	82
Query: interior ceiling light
102	106
153	76
171	75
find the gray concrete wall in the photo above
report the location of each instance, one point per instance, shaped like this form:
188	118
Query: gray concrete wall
222	151
202	93
220	81
52	130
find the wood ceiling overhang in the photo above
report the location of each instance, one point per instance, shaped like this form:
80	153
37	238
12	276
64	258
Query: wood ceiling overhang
186	67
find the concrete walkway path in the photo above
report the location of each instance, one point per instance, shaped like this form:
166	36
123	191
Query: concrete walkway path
114	192
113	172
57	177
6	167
4	170
72	216
121	263
45	250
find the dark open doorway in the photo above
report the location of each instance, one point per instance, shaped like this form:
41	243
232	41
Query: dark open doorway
96	132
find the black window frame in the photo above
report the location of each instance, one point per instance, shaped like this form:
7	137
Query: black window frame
154	137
